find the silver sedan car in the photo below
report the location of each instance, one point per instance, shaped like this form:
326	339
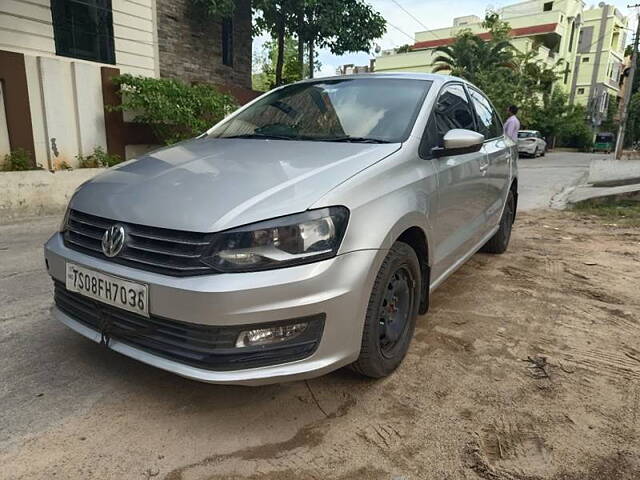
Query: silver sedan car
301	234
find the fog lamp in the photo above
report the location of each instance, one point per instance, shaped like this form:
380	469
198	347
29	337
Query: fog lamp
266	336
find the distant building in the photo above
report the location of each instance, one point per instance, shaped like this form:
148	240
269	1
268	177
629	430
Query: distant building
591	41
57	58
351	69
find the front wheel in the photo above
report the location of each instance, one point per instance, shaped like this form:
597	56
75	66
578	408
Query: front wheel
391	313
500	240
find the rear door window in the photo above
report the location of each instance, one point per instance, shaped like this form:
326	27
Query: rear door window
488	122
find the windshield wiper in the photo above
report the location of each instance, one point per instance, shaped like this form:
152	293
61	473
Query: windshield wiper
265	136
352	139
268	136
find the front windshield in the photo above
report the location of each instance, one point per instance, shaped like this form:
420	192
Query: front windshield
377	110
604	138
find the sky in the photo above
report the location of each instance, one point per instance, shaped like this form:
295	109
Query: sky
401	25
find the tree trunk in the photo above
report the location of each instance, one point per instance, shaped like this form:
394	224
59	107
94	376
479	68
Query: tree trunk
301	43
280	54
311	42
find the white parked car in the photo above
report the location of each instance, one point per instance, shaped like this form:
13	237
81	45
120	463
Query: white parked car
530	142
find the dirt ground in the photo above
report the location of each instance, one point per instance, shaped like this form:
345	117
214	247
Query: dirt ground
527	367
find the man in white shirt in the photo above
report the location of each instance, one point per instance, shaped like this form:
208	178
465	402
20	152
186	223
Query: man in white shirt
512	124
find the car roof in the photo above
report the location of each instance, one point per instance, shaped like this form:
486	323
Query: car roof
434	77
529	131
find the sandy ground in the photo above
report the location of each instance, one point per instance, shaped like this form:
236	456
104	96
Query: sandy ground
466	403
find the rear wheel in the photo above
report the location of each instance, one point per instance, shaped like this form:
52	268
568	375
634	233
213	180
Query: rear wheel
391	314
500	241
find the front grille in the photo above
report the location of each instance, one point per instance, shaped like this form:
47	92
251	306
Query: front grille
161	250
202	346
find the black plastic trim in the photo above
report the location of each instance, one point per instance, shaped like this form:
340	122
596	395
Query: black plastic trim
202	346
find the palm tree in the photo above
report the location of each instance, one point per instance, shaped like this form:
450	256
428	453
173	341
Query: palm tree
470	55
458	58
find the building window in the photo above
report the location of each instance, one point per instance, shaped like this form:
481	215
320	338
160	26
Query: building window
227	42
573	31
581	91
585	59
84	29
614	75
547	7
604	102
615	40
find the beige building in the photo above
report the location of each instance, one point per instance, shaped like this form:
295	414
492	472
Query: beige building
590	41
57	58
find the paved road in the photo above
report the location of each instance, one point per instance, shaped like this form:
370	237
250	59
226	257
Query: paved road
545	180
50	376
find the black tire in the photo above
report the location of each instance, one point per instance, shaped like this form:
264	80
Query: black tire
544	152
500	241
389	325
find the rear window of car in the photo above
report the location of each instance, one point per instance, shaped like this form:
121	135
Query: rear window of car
527	134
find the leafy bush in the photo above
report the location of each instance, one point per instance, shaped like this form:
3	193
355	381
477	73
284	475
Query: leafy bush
18	160
174	110
98	159
575	133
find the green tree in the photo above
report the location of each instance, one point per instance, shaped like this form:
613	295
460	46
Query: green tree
632	133
470	57
574	131
339	25
555	118
527	83
610	123
264	76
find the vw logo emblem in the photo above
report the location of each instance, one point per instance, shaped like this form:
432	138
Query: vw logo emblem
113	240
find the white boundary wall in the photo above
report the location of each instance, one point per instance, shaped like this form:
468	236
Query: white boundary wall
39	192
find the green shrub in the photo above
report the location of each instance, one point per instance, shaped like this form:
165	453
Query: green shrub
576	135
18	160
174	110
98	159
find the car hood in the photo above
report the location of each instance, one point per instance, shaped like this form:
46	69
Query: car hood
208	184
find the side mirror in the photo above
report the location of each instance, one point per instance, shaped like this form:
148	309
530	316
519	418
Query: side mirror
459	141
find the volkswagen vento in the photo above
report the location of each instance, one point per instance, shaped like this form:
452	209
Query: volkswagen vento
301	234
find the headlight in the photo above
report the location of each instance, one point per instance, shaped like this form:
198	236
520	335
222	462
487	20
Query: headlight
65	220
282	242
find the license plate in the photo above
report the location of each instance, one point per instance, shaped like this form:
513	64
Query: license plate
108	289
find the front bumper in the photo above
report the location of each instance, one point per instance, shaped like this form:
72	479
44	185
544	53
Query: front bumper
338	288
